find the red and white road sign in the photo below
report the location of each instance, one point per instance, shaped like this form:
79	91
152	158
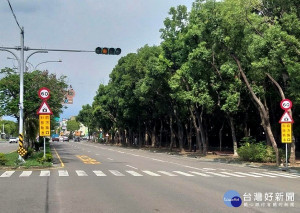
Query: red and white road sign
44	93
44	109
286	104
286	118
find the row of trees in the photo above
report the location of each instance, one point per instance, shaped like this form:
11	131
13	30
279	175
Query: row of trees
33	81
8	128
225	64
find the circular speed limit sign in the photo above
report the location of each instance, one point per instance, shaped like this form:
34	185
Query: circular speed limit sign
44	93
286	104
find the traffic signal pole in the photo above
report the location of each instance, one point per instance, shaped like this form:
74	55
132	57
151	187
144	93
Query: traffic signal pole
21	63
21	103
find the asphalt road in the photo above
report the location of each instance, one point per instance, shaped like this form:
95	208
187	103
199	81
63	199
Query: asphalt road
93	177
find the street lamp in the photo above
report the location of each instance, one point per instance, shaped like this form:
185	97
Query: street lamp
46	62
27	62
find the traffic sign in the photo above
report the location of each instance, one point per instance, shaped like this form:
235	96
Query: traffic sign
286	104
44	109
286	118
286	133
44	93
44	121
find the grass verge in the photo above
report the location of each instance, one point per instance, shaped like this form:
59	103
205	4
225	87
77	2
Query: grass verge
35	159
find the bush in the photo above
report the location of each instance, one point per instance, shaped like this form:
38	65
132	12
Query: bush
256	152
3	160
48	158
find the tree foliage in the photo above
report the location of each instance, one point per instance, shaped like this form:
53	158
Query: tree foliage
230	60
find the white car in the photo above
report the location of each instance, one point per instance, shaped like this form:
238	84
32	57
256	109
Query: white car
13	140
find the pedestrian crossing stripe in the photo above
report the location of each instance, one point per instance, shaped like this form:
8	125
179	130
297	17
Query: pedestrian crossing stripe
99	173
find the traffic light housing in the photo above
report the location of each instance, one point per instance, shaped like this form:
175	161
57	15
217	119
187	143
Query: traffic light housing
108	51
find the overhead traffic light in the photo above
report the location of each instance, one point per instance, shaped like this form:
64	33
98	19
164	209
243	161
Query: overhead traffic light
108	51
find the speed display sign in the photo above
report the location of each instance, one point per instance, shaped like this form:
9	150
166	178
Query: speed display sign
44	93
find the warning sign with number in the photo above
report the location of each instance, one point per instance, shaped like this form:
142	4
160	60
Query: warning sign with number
286	133
44	125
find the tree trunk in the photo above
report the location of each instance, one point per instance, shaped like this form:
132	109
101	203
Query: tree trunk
262	111
160	133
153	136
235	154
171	133
220	136
197	128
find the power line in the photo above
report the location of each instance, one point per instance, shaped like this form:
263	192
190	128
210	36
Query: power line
14	15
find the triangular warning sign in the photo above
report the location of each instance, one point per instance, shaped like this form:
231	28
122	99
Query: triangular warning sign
44	109
286	118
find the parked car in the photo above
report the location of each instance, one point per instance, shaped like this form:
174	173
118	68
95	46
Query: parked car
76	139
13	140
65	138
55	139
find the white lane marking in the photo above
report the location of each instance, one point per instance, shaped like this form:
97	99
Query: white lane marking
110	159
89	151
235	175
166	173
246	174
99	173
217	174
63	173
133	173
201	174
158	160
255	173
121	152
151	173
45	173
282	175
116	173
81	173
26	173
97	154
132	167
208	168
7	174
183	173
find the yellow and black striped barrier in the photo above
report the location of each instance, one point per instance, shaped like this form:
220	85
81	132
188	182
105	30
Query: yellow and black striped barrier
21	149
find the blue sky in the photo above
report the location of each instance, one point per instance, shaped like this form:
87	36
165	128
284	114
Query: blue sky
82	25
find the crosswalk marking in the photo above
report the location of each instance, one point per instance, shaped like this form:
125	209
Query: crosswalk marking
217	174
99	173
246	174
289	174
201	174
7	174
151	173
183	173
235	175
26	173
81	173
116	173
45	173
63	173
167	173
133	173
282	175
255	173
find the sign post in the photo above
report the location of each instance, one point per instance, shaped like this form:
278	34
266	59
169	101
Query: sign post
44	113
286	126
